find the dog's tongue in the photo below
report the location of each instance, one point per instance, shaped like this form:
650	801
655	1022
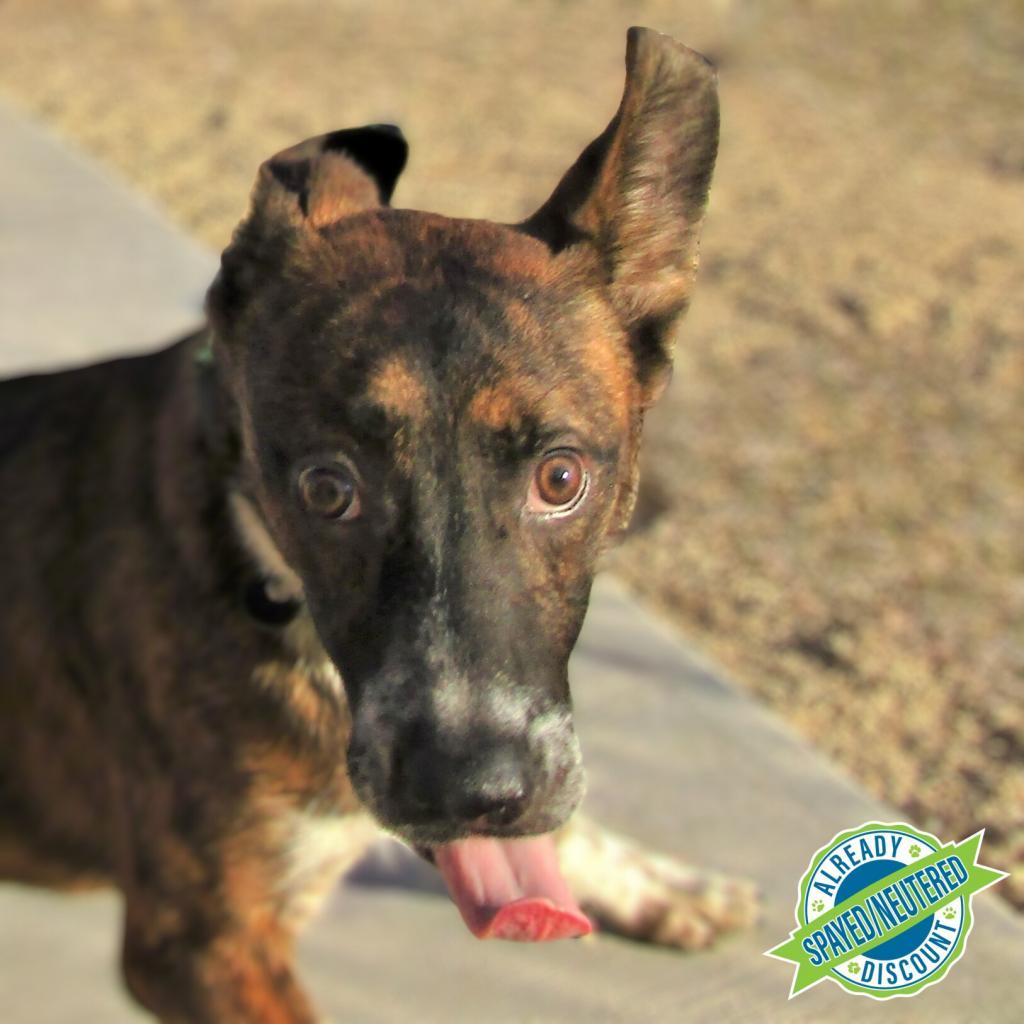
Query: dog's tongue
510	889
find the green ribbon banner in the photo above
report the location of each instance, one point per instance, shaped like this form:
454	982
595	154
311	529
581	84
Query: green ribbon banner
961	875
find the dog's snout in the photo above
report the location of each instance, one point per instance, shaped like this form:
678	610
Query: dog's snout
497	796
489	790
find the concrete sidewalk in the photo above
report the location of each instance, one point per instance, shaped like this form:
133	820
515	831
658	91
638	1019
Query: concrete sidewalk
677	757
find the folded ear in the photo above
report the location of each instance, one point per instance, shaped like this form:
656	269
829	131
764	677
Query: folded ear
312	185
333	176
638	192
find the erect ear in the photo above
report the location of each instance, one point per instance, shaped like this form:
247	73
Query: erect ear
637	195
314	184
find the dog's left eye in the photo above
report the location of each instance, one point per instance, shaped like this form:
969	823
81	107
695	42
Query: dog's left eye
329	491
559	483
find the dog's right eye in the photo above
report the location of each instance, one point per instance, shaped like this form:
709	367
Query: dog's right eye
329	492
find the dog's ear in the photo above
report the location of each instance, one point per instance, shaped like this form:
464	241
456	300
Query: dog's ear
637	195
309	186
332	176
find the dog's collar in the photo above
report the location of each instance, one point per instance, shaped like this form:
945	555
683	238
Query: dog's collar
264	597
219	437
267	608
203	355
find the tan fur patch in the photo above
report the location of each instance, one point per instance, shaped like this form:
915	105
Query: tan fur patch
606	359
397	390
495	407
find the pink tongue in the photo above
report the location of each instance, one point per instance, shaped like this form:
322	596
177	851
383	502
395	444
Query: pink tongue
510	889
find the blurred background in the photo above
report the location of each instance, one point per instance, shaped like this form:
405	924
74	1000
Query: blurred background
833	504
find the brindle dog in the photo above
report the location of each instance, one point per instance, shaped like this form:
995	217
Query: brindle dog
320	566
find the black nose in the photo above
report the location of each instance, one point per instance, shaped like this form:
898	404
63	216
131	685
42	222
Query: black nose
489	789
494	794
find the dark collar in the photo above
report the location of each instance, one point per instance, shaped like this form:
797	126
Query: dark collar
266	609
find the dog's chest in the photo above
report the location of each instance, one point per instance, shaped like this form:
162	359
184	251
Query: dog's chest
316	849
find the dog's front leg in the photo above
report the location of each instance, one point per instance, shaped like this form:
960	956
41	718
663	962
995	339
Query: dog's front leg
647	896
184	973
231	977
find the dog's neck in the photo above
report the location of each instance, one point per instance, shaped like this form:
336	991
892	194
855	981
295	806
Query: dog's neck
218	532
274	597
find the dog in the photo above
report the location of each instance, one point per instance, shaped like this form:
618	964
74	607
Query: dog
316	570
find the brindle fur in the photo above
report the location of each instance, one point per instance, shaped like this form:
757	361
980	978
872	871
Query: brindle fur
175	632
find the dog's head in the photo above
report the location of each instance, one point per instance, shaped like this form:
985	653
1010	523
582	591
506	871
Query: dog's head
439	422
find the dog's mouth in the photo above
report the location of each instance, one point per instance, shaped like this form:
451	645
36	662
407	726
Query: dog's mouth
510	888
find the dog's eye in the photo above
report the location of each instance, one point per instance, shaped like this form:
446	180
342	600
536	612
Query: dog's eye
559	483
329	491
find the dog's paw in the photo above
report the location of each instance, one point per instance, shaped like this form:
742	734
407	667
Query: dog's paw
673	904
650	897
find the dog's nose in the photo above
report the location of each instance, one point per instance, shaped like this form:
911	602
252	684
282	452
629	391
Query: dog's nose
488	790
494	798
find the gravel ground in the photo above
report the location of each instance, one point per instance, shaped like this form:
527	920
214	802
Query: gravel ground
839	466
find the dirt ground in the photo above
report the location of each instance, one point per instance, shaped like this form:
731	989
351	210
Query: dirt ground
839	464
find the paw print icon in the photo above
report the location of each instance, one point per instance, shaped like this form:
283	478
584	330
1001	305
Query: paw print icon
949	913
817	906
915	850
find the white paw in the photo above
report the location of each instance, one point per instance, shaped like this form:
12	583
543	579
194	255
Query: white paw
649	897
